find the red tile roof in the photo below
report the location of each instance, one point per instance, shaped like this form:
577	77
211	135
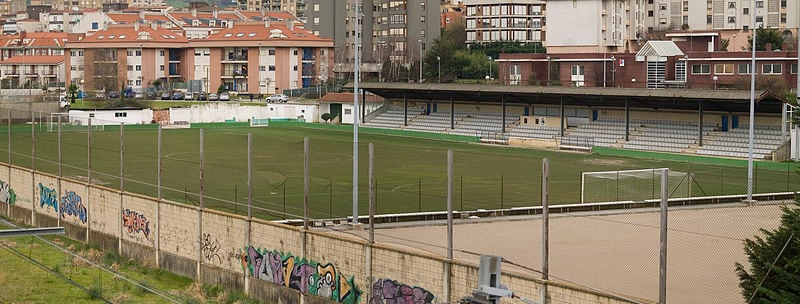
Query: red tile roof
35	39
129	34
33	60
259	32
123	18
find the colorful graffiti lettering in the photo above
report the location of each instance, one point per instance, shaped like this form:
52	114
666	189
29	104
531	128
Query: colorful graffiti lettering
135	222
71	205
7	194
210	248
386	291
48	197
300	274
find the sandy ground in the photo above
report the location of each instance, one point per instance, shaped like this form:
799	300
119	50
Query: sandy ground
615	252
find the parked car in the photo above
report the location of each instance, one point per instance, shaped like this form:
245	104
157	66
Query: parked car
189	96
213	96
177	96
166	95
201	96
224	96
113	94
100	95
277	98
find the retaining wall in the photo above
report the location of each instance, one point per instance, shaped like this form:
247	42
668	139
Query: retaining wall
272	262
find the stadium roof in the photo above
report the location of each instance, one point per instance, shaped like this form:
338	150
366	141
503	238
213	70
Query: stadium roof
678	99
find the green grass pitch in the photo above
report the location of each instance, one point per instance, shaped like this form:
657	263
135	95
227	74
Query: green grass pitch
410	168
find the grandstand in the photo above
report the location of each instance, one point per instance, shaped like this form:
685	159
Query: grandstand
649	131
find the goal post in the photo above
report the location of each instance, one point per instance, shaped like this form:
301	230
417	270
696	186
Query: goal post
632	185
259	122
72	123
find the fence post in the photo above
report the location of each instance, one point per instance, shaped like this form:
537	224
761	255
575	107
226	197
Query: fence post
58	221
330	199
202	205
662	278
419	194
158	202
33	164
305	183
249	205
545	230
502	193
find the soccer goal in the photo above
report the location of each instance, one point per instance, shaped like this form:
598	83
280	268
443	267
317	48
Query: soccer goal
632	185
259	122
71	123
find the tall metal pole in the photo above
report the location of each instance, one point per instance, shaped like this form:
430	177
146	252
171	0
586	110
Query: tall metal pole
202	168
249	175
158	167
305	183
449	204
9	137
420	60
662	277
545	220
89	152
752	107
355	111
371	194
121	156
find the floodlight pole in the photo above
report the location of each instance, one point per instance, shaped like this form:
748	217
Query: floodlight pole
752	109
355	113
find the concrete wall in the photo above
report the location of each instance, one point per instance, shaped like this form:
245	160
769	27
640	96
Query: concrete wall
270	261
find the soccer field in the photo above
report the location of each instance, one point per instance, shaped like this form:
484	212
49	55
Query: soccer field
410	168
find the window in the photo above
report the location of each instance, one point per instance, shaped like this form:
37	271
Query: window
130	52
73	53
663	7
422	19
577	70
294	68
745	28
161	53
759	18
731	4
295	52
316	7
130	82
94	25
783	17
731	19
783	3
708	19
130	67
422	5
701	69
772	68
744	68
723	68
271	68
271	52
685	6
759	4
316	20
262	68
139	53
121	114
73	68
650	13
161	67
746	11
138	67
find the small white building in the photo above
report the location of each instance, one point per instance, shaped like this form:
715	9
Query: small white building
128	116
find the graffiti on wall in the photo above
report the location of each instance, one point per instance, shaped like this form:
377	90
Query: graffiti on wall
48	197
386	291
301	274
71	205
210	248
7	194
135	222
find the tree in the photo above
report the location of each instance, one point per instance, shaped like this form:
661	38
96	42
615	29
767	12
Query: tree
326	117
73	91
774	262
764	36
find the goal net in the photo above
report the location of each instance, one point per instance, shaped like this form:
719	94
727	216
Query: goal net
72	123
259	122
632	185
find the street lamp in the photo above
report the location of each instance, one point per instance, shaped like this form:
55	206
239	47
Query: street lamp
548	70
420	60
439	69
613	68
715	81
488	77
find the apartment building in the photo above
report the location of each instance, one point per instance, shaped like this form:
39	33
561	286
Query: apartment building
254	57
593	26
507	20
399	31
294	7
32	60
719	14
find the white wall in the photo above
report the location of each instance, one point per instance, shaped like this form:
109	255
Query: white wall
571	24
220	112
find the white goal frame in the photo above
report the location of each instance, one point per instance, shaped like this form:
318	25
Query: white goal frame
655	174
